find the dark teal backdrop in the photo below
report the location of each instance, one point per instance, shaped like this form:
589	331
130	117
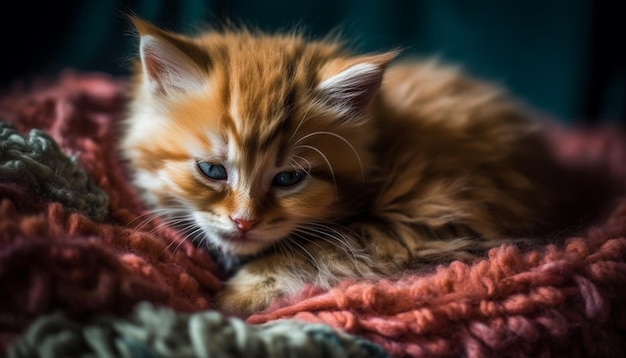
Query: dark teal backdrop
563	57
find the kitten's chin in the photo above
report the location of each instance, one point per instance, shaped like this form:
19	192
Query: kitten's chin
242	244
238	244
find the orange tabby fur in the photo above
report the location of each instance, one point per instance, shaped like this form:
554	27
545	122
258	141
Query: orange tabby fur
405	163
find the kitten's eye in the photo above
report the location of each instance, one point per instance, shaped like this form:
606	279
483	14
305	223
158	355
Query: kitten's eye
288	178
212	171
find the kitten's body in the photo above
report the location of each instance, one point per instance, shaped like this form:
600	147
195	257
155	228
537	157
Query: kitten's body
386	168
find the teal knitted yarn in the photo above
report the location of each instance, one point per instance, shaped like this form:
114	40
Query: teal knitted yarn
36	161
152	332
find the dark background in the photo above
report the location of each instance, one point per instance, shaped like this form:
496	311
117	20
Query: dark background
564	58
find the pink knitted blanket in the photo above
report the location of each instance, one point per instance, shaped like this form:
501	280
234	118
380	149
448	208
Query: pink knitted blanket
562	299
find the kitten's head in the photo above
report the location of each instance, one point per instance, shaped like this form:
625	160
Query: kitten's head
252	137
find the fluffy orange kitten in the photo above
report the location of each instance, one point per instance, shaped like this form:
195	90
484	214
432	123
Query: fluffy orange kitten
308	164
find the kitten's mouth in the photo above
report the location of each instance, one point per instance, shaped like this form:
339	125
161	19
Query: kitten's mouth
238	238
242	243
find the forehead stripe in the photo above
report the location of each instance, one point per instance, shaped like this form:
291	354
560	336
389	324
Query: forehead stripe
271	135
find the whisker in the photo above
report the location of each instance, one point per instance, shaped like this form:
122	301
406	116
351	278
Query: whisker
158	219
304	116
297	165
324	235
283	248
304	160
169	222
309	256
286	246
184	230
146	217
356	154
331	234
336	241
178	218
330	167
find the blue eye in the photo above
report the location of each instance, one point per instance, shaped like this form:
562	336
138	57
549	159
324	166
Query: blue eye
212	171
288	178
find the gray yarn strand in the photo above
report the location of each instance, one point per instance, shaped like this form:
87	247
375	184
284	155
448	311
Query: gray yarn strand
153	332
37	162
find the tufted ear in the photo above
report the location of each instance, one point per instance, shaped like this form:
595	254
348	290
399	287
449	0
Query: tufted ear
167	63
351	86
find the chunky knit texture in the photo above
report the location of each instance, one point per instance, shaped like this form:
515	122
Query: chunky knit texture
555	302
58	253
53	257
36	162
160	332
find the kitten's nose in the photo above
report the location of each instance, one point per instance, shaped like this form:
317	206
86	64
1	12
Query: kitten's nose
245	225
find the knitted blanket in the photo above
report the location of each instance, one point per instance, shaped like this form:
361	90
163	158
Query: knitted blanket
83	272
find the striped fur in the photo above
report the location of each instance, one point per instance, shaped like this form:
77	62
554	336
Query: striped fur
405	163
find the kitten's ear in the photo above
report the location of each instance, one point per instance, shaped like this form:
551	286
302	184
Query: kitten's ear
166	61
348	87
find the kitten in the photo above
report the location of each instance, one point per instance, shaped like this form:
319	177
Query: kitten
309	164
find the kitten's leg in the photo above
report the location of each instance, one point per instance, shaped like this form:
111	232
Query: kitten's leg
256	284
322	263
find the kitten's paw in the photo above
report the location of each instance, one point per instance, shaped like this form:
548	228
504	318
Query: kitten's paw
246	293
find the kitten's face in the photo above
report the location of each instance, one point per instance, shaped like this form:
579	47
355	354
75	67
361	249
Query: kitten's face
251	138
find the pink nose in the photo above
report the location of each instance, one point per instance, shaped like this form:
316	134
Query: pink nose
245	225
